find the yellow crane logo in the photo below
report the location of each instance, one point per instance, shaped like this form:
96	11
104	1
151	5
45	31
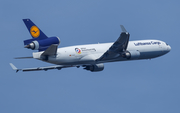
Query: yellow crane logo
35	32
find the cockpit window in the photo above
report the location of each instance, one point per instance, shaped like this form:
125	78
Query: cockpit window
166	44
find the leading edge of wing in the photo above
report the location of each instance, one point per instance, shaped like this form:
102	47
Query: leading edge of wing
40	68
118	46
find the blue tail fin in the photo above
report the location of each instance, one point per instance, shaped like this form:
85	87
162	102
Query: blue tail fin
39	40
35	32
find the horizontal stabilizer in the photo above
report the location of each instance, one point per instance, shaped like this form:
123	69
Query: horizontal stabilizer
23	57
52	50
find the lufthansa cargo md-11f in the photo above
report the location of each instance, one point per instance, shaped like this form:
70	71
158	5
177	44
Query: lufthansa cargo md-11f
91	56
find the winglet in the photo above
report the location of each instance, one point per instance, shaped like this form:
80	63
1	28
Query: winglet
122	28
14	67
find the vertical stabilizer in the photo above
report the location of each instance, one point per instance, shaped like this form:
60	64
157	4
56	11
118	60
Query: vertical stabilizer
39	40
35	32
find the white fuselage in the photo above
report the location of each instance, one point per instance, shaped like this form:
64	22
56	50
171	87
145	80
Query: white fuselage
87	54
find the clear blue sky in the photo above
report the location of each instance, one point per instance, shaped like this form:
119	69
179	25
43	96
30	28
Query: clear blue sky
145	86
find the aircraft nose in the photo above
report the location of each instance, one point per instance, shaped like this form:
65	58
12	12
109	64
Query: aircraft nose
169	48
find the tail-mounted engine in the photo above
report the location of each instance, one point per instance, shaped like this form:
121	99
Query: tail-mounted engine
131	54
41	45
95	67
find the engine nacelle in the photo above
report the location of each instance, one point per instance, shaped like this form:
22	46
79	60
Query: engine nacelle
43	44
131	54
95	67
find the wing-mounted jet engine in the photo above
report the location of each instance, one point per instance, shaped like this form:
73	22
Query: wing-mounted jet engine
130	54
95	67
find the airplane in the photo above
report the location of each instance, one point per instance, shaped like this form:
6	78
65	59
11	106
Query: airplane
92	56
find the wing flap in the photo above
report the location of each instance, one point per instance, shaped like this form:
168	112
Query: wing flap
41	68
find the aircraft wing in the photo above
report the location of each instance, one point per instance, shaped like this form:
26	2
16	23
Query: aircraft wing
118	46
41	68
